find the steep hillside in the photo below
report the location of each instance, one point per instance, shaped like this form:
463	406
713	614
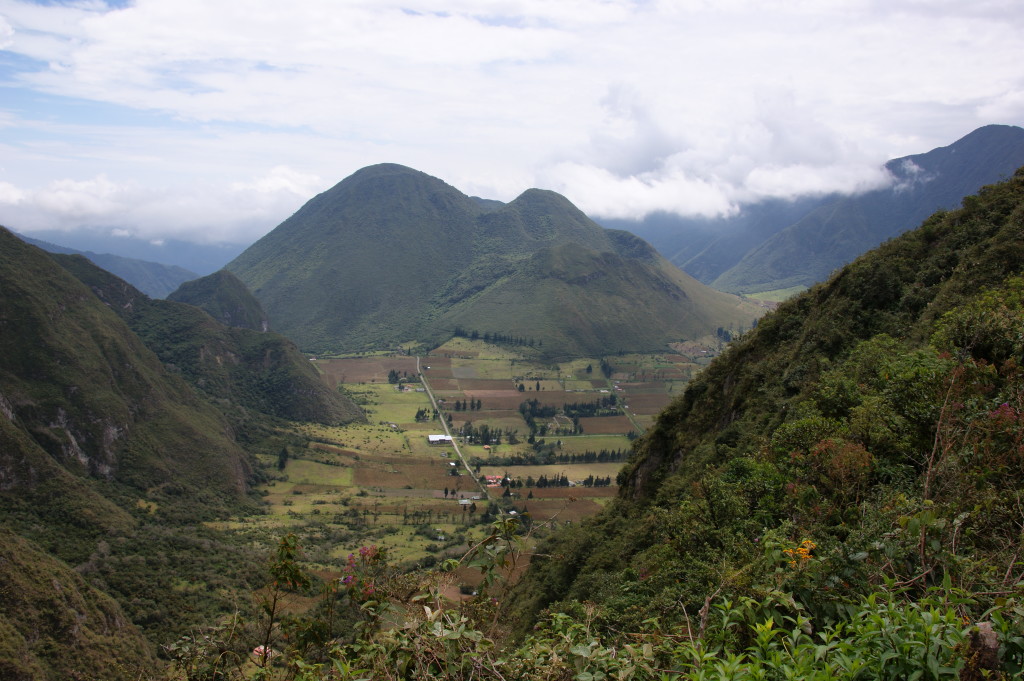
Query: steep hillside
87	390
391	255
55	626
864	438
224	298
109	462
257	370
152	278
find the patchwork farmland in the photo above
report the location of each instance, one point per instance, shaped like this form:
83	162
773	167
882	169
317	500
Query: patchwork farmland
551	438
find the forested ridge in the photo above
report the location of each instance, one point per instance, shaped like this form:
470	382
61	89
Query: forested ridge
869	430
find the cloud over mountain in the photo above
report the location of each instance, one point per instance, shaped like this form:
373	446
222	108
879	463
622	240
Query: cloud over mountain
625	107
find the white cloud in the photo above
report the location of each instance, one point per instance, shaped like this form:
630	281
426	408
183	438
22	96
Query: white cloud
6	33
281	179
10	195
237	213
602	193
625	106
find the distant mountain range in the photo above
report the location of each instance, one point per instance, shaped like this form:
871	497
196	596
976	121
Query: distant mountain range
195	257
780	244
152	278
391	255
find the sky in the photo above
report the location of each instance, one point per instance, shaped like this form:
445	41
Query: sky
214	120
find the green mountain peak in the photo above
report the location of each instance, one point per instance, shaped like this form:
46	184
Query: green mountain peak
391	254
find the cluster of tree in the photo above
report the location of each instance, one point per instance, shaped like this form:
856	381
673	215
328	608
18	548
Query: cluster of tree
545	481
395	377
591	481
464	405
603	406
531	409
485	435
497	338
423	415
521	386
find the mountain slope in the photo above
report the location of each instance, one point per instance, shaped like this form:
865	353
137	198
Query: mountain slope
152	278
92	395
106	458
585	301
391	255
872	422
224	298
254	369
47	607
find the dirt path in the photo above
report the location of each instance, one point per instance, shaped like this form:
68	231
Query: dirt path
447	431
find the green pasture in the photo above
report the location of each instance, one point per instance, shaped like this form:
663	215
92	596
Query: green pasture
377	440
777	295
594	443
480	349
583	385
545	384
469	451
304	472
577	369
482	368
513	422
419	447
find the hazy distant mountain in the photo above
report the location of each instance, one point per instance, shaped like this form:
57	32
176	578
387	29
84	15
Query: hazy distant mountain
778	244
391	254
200	258
152	278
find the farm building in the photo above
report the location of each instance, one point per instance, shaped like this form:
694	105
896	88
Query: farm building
439	439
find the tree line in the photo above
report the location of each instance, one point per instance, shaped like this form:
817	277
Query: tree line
549	456
497	338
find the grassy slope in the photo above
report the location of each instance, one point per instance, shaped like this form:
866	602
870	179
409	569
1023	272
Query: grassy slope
55	626
584	303
92	395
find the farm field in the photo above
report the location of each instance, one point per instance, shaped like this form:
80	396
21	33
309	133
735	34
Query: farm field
383	483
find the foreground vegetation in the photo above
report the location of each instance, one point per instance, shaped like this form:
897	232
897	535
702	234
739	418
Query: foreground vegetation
377	623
